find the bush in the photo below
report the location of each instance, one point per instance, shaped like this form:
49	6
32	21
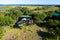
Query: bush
8	20
53	22
39	17
5	20
14	13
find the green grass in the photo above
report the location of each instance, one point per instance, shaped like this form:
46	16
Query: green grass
1	32
26	32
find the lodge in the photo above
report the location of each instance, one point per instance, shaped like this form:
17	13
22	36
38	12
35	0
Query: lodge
24	20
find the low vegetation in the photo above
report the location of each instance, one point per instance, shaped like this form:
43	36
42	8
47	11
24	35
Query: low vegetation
40	30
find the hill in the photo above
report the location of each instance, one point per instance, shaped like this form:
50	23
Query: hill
41	29
25	33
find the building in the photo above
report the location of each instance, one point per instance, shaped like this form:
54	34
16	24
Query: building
24	20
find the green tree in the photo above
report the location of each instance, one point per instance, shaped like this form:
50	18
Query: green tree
53	28
5	20
14	13
25	11
39	17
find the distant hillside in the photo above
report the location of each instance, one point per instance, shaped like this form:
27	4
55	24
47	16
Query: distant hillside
5	8
25	5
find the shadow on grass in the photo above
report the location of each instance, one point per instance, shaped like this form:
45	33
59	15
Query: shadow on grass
47	26
41	24
45	35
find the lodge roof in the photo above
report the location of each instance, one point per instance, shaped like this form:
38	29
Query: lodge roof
26	16
56	14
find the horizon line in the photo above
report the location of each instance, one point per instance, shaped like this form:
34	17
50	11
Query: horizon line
29	4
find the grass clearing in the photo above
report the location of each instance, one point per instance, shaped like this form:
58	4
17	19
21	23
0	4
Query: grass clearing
26	33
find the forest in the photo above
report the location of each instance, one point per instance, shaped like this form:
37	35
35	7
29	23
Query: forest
46	24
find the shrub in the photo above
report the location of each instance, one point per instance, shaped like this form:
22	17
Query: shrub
5	20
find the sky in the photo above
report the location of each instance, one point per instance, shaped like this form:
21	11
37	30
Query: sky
45	2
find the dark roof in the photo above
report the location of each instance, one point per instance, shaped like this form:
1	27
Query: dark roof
26	16
56	14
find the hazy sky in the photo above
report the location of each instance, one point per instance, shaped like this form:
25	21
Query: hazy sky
30	2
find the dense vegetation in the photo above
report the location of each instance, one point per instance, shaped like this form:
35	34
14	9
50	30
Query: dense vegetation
39	13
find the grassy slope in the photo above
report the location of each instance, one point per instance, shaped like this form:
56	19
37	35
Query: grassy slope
26	33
